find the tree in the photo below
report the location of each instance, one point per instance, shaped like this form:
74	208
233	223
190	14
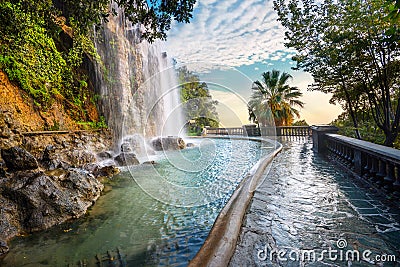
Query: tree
394	10
155	16
273	96
352	51
197	101
300	123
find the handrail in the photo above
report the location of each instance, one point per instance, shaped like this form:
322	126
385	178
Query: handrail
218	248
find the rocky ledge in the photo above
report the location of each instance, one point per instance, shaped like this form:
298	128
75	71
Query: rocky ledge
48	179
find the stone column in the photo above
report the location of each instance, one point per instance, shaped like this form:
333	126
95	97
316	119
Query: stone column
319	138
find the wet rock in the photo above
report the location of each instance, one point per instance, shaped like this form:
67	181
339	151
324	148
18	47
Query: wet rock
53	158
126	159
3	248
150	162
9	136
79	158
17	159
49	158
126	147
3	172
190	145
168	143
43	200
8	220
106	171
104	155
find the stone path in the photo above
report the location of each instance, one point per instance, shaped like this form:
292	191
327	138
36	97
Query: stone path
308	213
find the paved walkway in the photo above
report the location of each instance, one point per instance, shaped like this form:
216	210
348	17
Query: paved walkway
308	213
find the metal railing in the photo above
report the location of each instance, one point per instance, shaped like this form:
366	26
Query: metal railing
378	164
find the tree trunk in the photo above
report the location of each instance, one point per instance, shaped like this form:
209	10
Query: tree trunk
353	118
390	138
351	111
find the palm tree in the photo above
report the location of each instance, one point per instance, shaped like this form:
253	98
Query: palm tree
274	98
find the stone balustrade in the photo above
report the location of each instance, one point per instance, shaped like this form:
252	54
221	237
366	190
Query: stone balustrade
252	130
379	164
225	131
293	131
376	163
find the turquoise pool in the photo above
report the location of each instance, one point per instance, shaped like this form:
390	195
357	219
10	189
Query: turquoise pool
155	215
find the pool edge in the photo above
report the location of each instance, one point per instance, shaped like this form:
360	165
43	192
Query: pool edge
218	248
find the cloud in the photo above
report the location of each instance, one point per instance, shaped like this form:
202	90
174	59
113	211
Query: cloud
232	33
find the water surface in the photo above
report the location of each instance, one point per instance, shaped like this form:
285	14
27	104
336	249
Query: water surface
154	215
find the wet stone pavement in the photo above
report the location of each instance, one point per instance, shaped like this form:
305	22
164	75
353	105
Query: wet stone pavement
308	212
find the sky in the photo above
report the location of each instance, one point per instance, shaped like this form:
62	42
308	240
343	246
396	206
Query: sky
230	43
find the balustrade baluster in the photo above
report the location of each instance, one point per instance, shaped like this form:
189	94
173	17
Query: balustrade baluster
350	158
368	166
342	153
336	152
345	155
374	168
382	172
331	149
396	184
389	178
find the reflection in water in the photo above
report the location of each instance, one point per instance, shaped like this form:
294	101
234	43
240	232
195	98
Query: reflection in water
145	230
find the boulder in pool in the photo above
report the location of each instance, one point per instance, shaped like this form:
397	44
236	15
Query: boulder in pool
126	159
168	143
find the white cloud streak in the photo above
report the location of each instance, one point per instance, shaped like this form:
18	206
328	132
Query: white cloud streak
229	32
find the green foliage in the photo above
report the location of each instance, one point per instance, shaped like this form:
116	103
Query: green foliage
84	13
90	125
34	54
367	128
156	16
54	127
29	55
196	98
394	10
273	98
300	123
32	58
352	50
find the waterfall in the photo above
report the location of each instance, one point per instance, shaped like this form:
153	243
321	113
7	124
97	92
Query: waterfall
136	82
162	80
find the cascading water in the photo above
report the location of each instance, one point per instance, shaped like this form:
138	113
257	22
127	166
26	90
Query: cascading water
164	107
137	84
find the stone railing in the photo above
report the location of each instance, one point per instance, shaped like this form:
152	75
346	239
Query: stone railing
293	131
251	130
376	163
225	131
